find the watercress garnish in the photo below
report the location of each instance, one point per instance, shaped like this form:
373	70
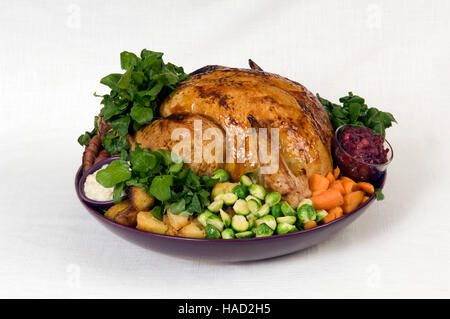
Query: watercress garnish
160	174
135	96
355	111
84	139
379	194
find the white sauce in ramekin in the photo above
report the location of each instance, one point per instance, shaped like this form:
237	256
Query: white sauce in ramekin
95	191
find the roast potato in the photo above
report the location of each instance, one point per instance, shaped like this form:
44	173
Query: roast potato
177	221
140	199
170	230
127	217
114	210
192	230
147	222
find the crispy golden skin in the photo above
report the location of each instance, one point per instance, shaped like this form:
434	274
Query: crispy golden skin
158	135
236	99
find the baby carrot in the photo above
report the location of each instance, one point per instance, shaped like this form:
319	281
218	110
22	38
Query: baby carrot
365	199
330	177
328	199
318	183
366	187
352	200
348	186
337	211
310	224
316	193
329	218
338	186
345	178
336	172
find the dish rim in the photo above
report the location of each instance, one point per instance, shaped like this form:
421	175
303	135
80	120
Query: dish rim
92	210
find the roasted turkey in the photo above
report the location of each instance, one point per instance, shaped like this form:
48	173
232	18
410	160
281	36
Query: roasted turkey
232	99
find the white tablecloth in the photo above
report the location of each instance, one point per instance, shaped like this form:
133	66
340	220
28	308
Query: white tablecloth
52	56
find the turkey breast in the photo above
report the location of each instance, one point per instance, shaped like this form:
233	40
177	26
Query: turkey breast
234	100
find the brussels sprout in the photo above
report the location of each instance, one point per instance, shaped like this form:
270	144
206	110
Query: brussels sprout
253	205
272	198
246	181
285	228
204	216
229	198
212	232
216	221
222	175
269	220
253	176
263	210
276	210
245	234
305	201
306	213
249	197
219	197
299	224
287	219
239	223
287	209
228	234
263	230
240	207
225	218
216	205
258	191
251	220
240	190
320	214
222	188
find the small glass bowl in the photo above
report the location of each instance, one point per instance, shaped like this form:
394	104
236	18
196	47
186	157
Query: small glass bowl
356	169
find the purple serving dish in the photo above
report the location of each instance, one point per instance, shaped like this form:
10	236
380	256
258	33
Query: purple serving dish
230	250
80	185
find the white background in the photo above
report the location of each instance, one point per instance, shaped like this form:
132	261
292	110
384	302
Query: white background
52	56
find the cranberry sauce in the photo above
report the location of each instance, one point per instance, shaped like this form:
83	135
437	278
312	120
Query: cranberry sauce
359	153
364	145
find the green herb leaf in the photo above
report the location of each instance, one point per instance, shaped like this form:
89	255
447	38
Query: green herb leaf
125	80
195	206
174	168
115	144
117	193
142	160
116	172
123	155
160	187
186	213
111	80
169	157
356	112
121	125
178	207
157	212
379	194
84	139
353	111
142	115
128	60
136	94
